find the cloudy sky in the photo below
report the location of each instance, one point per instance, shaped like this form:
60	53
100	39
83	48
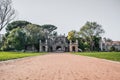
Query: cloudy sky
71	14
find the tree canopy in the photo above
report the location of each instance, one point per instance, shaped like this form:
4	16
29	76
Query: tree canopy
72	35
15	40
91	30
34	33
49	27
16	24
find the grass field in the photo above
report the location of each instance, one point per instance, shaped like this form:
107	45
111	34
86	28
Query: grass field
14	55
115	56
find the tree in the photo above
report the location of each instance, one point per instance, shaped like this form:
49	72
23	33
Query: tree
108	40
34	33
7	13
81	43
96	41
91	30
15	40
112	48
54	33
16	24
49	27
18	38
72	35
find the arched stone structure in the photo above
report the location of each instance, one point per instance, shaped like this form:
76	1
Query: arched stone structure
58	44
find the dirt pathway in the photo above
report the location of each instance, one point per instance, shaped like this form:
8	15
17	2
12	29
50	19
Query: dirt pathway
59	67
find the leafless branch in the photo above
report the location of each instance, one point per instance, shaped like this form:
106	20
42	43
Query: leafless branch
7	13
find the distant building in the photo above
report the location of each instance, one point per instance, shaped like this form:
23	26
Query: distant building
106	45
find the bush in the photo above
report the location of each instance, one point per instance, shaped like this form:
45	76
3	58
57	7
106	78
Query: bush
113	49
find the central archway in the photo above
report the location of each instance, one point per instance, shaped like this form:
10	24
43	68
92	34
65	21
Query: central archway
58	48
73	48
43	48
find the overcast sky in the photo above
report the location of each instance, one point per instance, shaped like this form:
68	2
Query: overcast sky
71	14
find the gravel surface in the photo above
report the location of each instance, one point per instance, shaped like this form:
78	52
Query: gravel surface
59	66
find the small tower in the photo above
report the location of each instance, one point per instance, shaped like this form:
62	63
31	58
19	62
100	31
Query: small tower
73	46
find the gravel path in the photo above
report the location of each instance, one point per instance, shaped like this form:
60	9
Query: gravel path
63	66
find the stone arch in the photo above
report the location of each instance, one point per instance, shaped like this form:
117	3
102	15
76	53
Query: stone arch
73	48
58	48
43	48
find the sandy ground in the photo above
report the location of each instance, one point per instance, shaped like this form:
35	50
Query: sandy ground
63	66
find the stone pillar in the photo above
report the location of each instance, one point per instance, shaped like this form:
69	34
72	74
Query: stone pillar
70	46
40	46
76	47
46	47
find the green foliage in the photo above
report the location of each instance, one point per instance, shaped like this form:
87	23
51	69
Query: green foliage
14	55
96	41
115	56
16	24
72	35
22	33
15	40
88	37
108	39
112	48
82	44
49	27
34	33
18	38
91	31
86	46
54	33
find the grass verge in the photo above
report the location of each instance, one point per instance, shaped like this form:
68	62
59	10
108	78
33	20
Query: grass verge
115	56
14	55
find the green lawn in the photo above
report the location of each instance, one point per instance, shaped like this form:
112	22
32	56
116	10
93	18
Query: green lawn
14	55
115	56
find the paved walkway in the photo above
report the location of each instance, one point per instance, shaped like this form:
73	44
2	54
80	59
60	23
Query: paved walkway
59	67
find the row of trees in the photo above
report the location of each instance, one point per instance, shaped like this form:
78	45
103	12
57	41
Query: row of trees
22	33
88	36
